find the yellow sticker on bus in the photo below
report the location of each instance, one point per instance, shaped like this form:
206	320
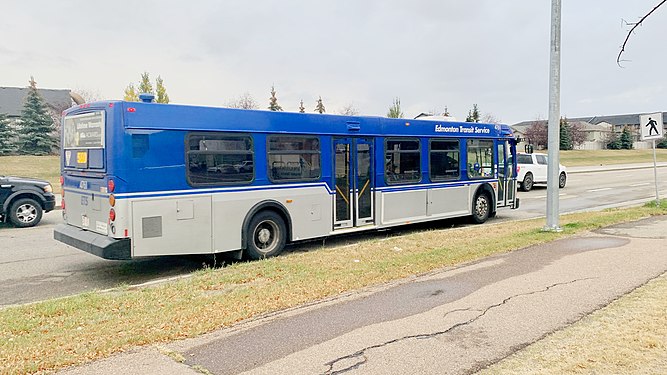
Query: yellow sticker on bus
81	157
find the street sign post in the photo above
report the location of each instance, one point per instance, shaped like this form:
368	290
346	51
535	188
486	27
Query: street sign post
652	129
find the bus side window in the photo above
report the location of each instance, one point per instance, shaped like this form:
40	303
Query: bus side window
294	158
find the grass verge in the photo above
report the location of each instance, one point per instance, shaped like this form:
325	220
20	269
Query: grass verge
42	167
579	158
78	329
629	336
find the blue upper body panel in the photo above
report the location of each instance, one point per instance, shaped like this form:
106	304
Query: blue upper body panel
145	142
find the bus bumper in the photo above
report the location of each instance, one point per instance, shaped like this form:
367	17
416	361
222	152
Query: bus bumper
91	242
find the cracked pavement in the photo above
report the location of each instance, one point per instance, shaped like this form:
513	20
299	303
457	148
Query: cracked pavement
455	321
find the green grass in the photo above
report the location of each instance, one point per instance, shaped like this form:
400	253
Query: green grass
579	158
53	334
42	167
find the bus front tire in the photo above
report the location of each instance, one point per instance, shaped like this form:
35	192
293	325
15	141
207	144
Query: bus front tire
266	235
481	209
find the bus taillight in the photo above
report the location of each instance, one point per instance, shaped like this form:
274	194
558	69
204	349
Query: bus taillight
112	200
111	185
112	214
62	204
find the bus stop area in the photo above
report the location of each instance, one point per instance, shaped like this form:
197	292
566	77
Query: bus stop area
456	320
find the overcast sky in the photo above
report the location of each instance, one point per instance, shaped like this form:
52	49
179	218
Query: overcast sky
431	54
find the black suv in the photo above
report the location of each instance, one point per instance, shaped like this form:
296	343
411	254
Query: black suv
23	200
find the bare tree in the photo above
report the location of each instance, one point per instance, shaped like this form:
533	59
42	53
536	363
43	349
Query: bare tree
245	101
537	133
489	118
634	26
349	110
577	133
88	95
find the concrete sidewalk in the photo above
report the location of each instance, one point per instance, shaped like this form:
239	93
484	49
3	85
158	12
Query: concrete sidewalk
449	322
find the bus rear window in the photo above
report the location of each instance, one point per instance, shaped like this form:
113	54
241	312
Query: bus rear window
83	140
84	131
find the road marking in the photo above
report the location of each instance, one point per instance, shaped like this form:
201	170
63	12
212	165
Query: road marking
544	196
642	184
600	189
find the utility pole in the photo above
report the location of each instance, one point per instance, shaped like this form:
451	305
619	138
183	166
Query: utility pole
554	121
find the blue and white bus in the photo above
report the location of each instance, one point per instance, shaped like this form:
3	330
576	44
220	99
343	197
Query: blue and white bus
145	179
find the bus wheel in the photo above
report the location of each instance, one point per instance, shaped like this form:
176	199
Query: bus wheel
25	212
481	208
266	235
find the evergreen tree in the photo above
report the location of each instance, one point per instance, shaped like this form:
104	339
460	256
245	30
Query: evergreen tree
302	109
320	106
662	143
131	94
565	136
626	139
145	85
7	136
395	109
273	101
37	126
446	112
473	115
613	141
162	96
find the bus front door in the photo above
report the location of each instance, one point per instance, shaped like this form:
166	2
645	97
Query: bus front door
353	181
506	184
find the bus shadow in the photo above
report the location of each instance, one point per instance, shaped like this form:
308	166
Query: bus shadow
151	270
354	238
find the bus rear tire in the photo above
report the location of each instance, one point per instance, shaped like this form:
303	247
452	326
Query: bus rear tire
481	208
266	235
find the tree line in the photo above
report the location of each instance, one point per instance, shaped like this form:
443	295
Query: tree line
573	135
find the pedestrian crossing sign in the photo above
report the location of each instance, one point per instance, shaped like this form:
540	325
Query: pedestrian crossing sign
651	126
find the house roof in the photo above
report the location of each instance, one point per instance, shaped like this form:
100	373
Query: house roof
583	125
628	119
12	99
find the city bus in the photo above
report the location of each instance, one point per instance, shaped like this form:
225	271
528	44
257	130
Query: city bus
145	179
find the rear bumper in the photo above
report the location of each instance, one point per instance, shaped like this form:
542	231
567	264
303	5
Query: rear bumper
91	242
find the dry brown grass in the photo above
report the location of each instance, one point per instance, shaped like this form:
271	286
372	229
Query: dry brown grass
42	167
53	334
629	336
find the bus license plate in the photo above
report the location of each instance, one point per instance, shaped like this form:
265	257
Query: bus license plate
82	157
85	221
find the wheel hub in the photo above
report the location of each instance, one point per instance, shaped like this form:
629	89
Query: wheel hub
264	235
26	213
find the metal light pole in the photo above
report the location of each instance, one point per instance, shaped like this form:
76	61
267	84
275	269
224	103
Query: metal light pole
554	120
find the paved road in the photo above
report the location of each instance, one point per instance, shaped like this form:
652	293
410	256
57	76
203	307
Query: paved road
455	321
34	267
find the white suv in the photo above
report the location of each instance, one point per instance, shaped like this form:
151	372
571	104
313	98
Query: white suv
532	169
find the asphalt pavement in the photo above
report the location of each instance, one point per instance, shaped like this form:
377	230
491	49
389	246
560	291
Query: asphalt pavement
453	321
